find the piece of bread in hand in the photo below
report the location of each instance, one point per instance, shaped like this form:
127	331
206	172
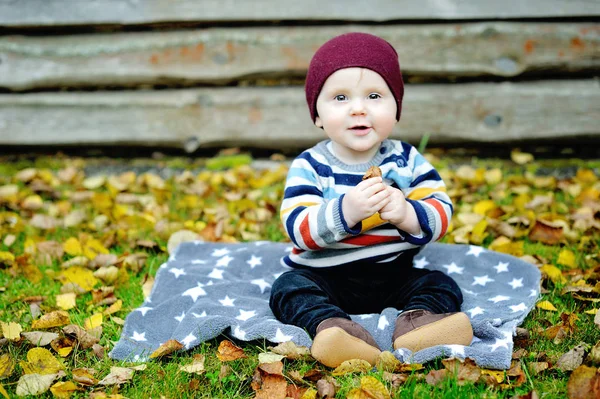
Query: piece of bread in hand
373	171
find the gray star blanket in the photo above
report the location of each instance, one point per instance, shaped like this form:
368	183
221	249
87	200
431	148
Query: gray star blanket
208	289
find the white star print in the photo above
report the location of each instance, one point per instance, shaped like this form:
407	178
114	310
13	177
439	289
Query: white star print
365	316
456	350
475	250
172	258
195	292
198	262
245	315
276	275
453	268
216	273
180	318
281	337
220	252
519	308
196	315
499	298
239	333
259	243
144	310
262	284
476	311
516	283
188	340
533	293
482	280
501	267
224	261
382	323
254	261
227	301
139	337
177	272
501	343
209	283
163	266
470	292
420	263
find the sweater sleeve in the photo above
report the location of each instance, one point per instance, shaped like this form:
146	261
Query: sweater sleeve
427	194
311	222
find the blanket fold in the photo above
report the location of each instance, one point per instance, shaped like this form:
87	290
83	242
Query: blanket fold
206	289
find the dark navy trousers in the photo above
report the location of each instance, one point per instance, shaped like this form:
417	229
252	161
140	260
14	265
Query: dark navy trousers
305	297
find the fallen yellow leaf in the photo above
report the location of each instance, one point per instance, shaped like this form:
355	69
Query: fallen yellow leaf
352	366
93	321
167	348
374	388
6	258
483	207
92	248
546	305
11	331
6	366
72	247
66	301
84	278
64	390
567	258
553	273
114	308
41	361
52	319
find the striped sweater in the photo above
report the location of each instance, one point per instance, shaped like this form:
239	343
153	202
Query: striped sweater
311	210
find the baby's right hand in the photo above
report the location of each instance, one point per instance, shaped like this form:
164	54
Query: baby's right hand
365	199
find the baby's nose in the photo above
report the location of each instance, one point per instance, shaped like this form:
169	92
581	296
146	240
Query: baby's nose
357	107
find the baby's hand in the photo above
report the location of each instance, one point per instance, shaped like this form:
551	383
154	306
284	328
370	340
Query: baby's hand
365	199
396	210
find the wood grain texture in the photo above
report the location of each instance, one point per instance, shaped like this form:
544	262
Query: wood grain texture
278	117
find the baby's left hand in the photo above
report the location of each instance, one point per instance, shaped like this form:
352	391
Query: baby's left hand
395	211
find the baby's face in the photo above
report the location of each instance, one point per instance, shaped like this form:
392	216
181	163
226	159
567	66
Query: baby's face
357	110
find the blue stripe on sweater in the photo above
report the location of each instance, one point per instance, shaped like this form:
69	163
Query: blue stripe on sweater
432	175
295	191
289	223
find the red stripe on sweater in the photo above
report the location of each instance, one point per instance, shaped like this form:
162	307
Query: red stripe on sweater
365	239
305	233
443	217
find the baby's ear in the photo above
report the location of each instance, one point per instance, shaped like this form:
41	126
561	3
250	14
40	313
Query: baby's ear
318	122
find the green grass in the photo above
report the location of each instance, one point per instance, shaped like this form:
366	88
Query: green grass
162	378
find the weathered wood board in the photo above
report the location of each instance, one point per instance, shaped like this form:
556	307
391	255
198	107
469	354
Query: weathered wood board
73	12
222	55
278	117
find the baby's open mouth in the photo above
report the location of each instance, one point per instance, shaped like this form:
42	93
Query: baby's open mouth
360	127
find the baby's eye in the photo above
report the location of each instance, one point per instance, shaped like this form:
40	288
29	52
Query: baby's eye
340	97
374	96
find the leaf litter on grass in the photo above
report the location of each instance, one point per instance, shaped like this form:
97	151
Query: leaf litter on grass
78	240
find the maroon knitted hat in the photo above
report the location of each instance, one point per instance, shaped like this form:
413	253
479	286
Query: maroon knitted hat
354	50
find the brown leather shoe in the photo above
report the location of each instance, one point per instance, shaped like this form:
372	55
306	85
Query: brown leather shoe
419	329
339	339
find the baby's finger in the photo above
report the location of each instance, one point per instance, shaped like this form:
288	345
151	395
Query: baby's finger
378	197
363	185
376	189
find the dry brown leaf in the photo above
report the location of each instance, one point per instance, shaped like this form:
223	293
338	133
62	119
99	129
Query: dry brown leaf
63	346
197	365
536	368
53	319
269	357
98	351
85	376
117	376
546	233
85	339
135	262
44	222
584	383
34	384
465	370
291	351
181	236
325	389
107	274
435	377
572	359
272	387
275	368
167	348
228	351
103	260
352	366
39	338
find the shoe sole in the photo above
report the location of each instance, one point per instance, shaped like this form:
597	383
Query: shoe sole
333	346
452	330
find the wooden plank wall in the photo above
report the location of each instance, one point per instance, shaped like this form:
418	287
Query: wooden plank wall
188	74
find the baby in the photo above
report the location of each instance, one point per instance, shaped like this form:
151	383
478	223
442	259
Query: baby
354	239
